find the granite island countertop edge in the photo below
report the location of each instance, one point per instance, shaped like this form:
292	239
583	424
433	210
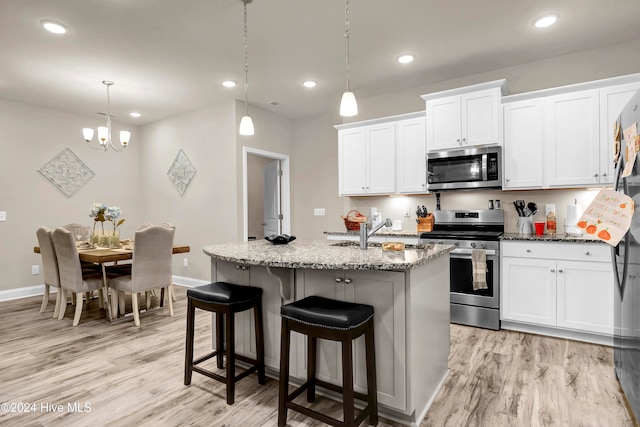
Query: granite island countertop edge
321	255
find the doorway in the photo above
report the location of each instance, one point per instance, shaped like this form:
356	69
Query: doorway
266	190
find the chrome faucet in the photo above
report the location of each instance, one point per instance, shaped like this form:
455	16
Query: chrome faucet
365	234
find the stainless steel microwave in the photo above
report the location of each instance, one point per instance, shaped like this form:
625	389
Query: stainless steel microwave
465	169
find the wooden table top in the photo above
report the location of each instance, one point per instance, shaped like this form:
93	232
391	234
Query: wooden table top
102	255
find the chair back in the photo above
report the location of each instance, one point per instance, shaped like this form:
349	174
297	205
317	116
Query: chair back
152	258
68	260
49	259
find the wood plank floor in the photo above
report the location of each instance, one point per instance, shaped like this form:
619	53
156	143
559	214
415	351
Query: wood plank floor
134	376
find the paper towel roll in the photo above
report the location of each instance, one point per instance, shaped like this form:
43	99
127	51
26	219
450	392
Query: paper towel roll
574	212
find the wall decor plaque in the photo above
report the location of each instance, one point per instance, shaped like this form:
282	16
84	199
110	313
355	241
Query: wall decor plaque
181	172
66	172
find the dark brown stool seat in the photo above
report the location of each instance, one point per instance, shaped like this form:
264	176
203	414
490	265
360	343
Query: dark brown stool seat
323	318
225	299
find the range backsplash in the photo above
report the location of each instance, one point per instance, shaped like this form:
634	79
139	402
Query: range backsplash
394	207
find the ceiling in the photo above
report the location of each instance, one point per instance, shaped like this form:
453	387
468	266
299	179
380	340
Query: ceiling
168	57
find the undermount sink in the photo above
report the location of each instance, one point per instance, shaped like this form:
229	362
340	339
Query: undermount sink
350	243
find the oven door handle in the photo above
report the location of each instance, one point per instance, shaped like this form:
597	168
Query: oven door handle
490	252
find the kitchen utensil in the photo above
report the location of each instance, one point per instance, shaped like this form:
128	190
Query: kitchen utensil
526	211
532	207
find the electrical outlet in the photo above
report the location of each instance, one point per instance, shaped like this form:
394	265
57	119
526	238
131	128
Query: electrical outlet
318	212
186	262
3	215
35	269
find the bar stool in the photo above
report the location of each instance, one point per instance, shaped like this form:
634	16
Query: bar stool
225	299
328	319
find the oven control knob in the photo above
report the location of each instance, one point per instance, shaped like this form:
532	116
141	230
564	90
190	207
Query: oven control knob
473	244
441	242
483	246
456	243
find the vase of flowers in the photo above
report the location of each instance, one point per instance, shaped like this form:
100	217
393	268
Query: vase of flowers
112	213
101	213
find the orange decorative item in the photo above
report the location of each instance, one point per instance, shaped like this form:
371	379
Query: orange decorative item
604	235
591	229
352	222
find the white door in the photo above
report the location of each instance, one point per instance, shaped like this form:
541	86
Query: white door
352	161
381	158
444	123
480	122
411	170
272	220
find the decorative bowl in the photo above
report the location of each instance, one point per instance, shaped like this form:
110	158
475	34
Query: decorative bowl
280	239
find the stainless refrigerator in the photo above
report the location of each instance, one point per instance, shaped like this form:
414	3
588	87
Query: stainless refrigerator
626	266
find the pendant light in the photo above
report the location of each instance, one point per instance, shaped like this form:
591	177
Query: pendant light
348	104
246	124
104	132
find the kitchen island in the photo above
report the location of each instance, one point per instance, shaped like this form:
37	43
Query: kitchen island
408	289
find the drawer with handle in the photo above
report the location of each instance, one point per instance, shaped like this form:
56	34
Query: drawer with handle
596	252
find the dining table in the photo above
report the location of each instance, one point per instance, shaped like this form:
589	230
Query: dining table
104	256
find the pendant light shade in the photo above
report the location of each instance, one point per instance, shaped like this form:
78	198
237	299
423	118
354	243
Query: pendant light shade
348	104
246	124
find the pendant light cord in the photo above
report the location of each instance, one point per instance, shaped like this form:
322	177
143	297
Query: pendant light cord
346	36
246	62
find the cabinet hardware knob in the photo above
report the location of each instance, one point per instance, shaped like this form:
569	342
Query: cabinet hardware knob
458	140
347	281
237	267
604	174
587	253
464	139
528	250
507	180
363	188
560	271
595	175
553	270
338	280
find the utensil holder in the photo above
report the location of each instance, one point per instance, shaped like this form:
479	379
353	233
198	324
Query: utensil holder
425	224
525	226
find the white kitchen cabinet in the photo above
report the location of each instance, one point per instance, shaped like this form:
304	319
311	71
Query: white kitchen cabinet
464	117
412	156
573	139
612	100
384	290
523	144
256	276
585	296
367	160
567	286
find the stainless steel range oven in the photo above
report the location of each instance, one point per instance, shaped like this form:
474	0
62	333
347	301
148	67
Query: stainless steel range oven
468	230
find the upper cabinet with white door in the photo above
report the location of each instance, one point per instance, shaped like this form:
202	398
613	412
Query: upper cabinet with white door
465	117
382	156
612	100
564	133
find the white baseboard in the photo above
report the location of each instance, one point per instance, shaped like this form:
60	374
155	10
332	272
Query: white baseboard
189	282
32	291
593	338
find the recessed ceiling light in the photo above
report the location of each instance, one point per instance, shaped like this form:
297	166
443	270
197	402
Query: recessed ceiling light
135	114
545	21
54	27
406	58
310	83
229	83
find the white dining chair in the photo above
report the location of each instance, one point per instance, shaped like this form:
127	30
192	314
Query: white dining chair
151	268
71	275
49	268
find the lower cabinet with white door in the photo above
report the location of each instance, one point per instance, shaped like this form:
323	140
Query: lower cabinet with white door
557	288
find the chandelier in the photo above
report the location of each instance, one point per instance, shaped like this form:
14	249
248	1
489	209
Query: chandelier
348	104
246	124
104	132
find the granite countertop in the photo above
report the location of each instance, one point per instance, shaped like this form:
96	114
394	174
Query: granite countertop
401	233
547	238
323	255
